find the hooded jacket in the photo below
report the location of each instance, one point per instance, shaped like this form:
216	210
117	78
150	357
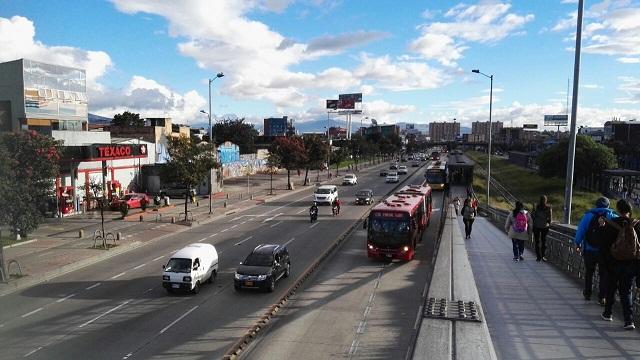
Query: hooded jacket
583	226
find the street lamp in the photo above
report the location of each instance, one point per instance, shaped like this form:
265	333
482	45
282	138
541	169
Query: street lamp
212	140
490	108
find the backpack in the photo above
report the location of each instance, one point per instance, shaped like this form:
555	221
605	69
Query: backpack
626	246
596	235
540	218
520	223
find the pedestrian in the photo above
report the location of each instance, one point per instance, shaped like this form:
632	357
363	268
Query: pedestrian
621	256
456	205
590	236
468	217
541	223
518	227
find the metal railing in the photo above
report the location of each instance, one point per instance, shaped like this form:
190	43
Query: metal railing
561	251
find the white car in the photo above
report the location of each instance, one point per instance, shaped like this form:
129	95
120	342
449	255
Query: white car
350	179
393	177
402	170
325	194
190	267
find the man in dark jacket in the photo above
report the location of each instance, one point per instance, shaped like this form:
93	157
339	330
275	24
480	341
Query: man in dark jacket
590	253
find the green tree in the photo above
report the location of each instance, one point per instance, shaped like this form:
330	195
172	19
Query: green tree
189	163
128	119
238	132
591	158
339	155
28	167
317	150
289	152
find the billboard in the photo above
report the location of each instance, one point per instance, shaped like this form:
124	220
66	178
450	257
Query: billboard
348	101
332	104
530	126
556	120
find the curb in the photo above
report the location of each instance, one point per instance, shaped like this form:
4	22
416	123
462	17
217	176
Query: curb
19	244
254	330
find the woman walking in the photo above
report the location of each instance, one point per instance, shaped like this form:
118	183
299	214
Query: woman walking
468	216
541	223
456	205
518	227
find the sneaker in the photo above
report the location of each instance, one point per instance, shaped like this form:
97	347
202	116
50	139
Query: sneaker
606	317
515	259
544	259
521	258
602	302
629	326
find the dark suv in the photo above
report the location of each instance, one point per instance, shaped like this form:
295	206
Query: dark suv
263	267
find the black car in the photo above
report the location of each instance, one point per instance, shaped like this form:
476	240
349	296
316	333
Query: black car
364	197
263	267
393	167
383	172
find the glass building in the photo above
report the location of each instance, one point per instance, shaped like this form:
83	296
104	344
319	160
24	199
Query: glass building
42	97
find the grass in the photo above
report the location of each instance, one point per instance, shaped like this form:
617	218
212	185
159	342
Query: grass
527	185
9	240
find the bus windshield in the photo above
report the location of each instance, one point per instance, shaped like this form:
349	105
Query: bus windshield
389	231
435	176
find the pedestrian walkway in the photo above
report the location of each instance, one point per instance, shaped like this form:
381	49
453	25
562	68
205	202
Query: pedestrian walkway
535	311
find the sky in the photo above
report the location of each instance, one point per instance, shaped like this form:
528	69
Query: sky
411	60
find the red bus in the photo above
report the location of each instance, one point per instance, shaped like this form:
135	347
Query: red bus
392	227
425	192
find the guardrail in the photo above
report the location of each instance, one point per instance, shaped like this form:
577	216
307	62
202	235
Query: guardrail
501	189
561	251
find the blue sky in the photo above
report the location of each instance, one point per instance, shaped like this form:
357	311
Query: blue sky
411	59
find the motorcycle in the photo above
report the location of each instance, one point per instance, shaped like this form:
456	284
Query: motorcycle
313	214
335	210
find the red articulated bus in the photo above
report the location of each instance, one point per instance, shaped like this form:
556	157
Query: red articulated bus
425	192
392	227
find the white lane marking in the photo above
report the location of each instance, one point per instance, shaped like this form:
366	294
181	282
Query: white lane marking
32	351
276	224
244	222
236	225
104	314
32	312
236	218
117	276
158	258
127	356
212	235
93	286
371	297
203	239
271	218
314	224
367	310
240	242
178	319
148	290
65	298
361	327
299	212
225	230
415	324
354	347
288	242
139	266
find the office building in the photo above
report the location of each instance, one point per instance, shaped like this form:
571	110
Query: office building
276	126
444	131
482	128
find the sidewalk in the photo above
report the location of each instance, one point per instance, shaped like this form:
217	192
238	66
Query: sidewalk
534	311
56	248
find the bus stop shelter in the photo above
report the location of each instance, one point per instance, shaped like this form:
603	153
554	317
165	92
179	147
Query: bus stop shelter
460	170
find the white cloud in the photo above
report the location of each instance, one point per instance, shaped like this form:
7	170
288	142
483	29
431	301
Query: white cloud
569	1
401	75
383	111
591	86
17	40
630	85
629	60
485	22
338	43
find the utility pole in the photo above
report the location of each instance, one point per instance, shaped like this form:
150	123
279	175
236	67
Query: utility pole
574	113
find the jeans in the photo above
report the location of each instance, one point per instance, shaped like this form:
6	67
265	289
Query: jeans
468	226
518	248
591	259
540	236
624	274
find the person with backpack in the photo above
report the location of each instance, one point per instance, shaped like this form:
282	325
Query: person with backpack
468	216
541	223
590	237
518	227
622	255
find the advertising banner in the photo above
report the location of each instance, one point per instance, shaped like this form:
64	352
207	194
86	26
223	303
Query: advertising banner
556	120
348	101
332	104
530	126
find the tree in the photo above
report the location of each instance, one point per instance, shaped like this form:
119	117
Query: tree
238	132
289	153
317	150
189	163
28	167
339	155
591	158
128	119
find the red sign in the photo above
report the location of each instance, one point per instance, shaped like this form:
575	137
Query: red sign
111	151
114	151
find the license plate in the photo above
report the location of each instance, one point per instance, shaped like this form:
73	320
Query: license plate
175	286
248	283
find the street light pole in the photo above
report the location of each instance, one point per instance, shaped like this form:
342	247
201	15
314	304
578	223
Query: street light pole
568	194
489	141
212	141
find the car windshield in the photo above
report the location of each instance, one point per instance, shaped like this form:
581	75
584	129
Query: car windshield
403	167
255	259
178	265
349	176
363	193
323	191
392	174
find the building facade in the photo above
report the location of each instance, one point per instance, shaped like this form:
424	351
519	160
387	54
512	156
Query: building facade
622	131
276	126
482	128
444	131
42	97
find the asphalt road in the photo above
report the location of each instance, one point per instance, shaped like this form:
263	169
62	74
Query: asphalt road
117	309
353	307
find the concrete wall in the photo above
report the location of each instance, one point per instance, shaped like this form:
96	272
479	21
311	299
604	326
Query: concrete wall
78	138
12	89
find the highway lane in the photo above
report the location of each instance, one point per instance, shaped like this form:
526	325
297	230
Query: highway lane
353	307
118	307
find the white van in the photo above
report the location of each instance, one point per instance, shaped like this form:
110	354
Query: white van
325	194
189	267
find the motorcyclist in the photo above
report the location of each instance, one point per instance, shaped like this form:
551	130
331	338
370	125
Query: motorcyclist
313	211
336	206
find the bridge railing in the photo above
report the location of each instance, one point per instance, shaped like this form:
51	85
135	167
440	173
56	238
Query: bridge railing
561	251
